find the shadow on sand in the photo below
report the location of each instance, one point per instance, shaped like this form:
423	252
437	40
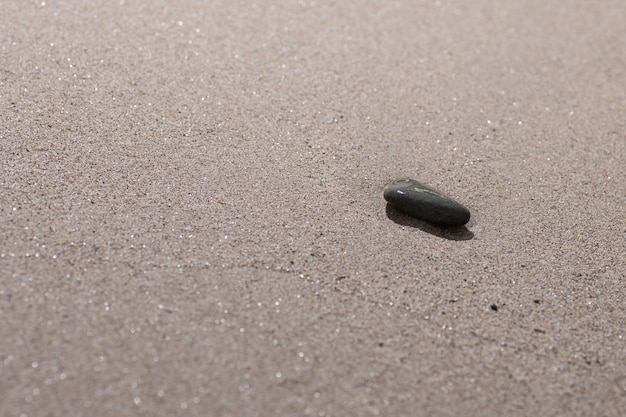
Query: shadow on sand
450	233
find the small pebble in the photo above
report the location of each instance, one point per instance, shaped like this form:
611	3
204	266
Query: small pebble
424	203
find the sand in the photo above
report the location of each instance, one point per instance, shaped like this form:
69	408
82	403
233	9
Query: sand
193	224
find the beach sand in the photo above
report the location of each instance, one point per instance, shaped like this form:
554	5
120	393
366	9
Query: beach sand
193	223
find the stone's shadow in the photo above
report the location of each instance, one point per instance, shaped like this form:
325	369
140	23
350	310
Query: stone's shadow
450	233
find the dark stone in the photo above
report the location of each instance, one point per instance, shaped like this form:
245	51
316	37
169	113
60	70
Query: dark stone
424	203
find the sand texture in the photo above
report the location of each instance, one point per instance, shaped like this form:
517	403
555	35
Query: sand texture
192	217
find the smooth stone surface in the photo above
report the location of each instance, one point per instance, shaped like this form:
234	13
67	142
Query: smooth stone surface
425	203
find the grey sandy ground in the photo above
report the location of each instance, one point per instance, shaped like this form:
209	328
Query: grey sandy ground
192	221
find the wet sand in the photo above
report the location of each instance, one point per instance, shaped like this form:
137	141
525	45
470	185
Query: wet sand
193	221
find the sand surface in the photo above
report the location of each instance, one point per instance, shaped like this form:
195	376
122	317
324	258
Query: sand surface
192	217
